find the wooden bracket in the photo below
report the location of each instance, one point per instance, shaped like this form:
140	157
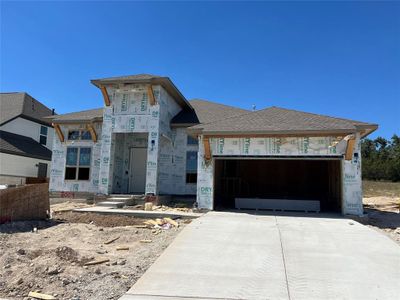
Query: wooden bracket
207	148
105	96
59	132
349	149
92	132
150	93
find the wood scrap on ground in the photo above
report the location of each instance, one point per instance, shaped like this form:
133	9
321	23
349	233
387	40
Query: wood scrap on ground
122	248
172	222
151	222
145	241
112	240
40	296
140	226
97	262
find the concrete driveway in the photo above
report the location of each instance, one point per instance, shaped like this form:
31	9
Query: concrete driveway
226	255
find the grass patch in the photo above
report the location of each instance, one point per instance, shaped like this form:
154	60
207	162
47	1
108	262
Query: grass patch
380	188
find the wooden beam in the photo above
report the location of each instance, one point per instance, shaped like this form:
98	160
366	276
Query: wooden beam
59	132
207	148
92	132
150	93
349	149
105	96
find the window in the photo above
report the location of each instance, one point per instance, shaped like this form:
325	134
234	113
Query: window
191	167
43	135
192	140
79	135
78	163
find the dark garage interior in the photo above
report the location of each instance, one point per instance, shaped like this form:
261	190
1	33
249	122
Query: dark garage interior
290	179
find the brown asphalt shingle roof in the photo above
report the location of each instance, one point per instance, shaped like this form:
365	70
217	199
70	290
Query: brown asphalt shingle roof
13	105
80	116
205	112
275	120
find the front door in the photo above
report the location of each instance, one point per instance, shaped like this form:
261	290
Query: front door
137	170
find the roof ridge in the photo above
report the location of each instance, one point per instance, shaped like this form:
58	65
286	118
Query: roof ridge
213	102
221	120
314	114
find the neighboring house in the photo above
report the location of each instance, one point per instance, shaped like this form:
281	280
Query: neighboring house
148	139
26	138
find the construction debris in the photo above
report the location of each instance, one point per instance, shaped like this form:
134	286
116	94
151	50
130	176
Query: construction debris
172	222
148	206
111	241
41	296
165	223
122	248
97	262
64	249
145	241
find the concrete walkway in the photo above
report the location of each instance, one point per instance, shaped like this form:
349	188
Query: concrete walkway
243	256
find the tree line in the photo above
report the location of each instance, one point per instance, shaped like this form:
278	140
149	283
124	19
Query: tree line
381	158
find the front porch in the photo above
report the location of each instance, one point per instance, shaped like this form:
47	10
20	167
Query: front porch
129	163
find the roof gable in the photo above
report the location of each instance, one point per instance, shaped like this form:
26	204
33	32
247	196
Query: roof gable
164	81
22	104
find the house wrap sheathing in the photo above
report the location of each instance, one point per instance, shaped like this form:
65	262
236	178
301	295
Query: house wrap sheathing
291	146
148	139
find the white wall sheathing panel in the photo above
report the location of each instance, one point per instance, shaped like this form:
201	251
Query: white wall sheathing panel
313	146
169	180
352	184
172	164
57	171
205	179
130	112
276	146
172	153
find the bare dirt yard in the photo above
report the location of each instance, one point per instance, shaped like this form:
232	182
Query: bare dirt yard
54	257
382	204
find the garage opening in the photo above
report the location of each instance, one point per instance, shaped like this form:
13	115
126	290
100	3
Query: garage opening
303	180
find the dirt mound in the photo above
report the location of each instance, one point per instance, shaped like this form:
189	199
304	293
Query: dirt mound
52	259
67	253
96	219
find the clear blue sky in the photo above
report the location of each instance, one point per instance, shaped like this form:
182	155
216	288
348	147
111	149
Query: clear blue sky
334	58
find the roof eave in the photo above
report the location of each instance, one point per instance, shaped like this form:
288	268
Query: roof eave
366	129
165	82
178	125
78	121
336	132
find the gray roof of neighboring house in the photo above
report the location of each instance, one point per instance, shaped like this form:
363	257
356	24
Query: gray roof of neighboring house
16	144
164	81
275	120
13	105
205	112
84	116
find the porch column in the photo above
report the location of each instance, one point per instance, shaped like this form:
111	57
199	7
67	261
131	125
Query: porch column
106	146
352	186
153	151
205	178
